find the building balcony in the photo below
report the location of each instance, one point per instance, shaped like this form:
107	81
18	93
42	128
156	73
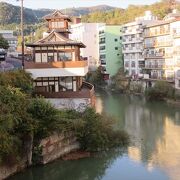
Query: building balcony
58	64
132	50
154	67
155	77
159	56
176	35
157	34
133	40
102	42
158	44
86	91
57	69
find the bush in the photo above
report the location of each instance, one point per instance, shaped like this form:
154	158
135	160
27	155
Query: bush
96	132
15	122
45	117
160	91
18	79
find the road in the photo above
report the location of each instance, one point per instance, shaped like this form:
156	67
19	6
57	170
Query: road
10	64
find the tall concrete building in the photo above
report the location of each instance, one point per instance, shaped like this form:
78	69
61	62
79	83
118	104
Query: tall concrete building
133	47
88	34
110	49
162	49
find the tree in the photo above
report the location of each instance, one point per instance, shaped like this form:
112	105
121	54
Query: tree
3	43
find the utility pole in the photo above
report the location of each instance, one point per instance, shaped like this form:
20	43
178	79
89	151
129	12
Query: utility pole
22	32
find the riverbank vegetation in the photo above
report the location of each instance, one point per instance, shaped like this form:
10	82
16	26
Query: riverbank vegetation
23	115
120	82
160	91
96	78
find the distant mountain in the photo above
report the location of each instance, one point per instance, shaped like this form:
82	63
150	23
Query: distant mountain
11	14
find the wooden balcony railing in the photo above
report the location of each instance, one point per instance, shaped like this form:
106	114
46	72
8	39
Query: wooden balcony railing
59	64
87	91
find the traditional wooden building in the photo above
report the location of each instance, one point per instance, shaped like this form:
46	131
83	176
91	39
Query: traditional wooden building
56	66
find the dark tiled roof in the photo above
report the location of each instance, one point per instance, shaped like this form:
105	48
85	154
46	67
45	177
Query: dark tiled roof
57	14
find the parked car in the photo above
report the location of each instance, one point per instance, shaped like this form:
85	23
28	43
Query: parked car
2	55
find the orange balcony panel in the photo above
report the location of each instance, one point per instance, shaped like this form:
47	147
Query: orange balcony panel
59	64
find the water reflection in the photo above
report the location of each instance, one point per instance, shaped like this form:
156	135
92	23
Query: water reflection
154	153
154	128
84	169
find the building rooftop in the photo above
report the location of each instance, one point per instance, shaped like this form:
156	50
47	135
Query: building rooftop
153	24
57	15
55	38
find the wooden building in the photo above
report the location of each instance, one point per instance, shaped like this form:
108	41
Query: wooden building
56	66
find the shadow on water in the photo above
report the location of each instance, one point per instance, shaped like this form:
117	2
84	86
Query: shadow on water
88	168
154	153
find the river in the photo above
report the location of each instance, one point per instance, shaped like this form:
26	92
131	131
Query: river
154	152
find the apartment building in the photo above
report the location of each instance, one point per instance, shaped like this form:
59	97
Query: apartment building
176	52
88	34
110	49
161	49
57	67
133	44
12	40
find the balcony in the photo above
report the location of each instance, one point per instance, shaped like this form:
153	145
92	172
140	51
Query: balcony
176	35
154	66
102	42
153	34
86	91
57	69
59	64
158	44
132	40
157	78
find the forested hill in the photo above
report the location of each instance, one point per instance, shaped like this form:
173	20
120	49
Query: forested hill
11	14
120	16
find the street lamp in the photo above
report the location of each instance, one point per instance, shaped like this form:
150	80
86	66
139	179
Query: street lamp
22	32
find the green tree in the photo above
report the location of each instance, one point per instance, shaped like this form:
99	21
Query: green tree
3	43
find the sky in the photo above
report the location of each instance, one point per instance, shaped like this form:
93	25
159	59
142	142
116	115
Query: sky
62	4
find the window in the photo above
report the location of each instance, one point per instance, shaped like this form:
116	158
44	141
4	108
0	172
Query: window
115	39
116	48
66	83
50	57
102	56
65	56
126	64
133	64
120	37
102	47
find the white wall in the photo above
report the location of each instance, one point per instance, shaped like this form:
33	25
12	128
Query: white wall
87	33
58	72
79	104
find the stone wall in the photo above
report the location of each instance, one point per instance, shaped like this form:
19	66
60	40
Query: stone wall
52	147
79	104
57	145
9	170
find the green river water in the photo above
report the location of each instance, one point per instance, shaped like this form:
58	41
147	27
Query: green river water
154	152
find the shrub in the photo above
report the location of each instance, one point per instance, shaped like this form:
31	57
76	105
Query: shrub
18	79
44	116
15	122
96	132
160	91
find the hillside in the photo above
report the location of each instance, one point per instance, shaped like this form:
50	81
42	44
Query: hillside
11	14
119	16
